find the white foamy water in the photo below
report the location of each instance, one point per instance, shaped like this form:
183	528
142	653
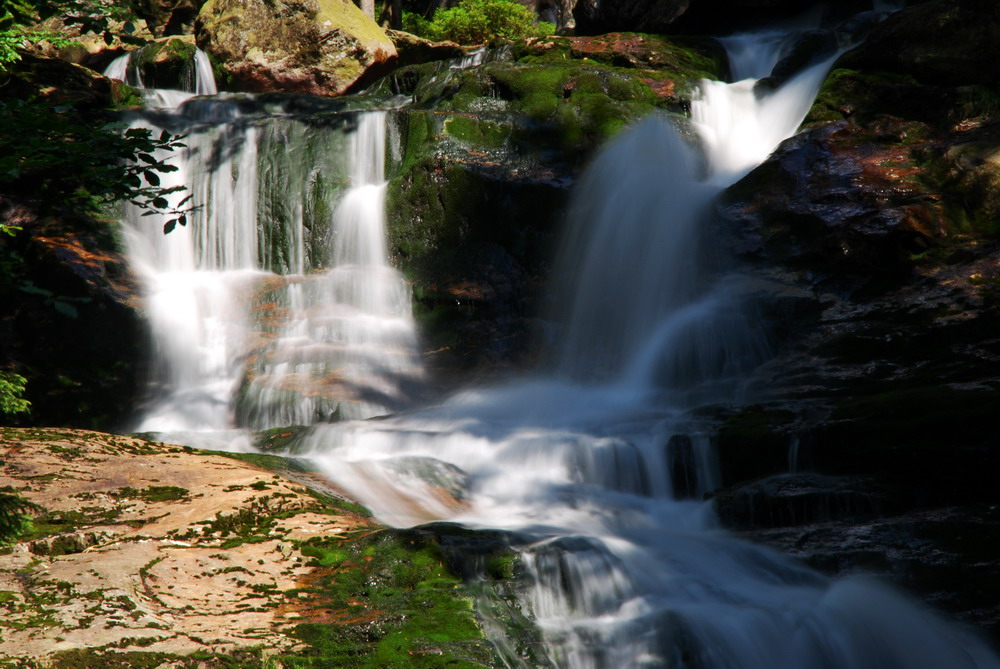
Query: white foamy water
628	569
200	80
247	333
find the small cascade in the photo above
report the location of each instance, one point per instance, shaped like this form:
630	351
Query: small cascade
274	305
196	78
348	349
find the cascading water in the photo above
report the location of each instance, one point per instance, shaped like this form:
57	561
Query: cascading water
197	79
249	334
274	306
584	468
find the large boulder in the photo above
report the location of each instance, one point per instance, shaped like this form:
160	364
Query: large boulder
320	47
941	42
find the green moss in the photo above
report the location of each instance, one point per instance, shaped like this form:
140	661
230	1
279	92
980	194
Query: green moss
677	57
479	133
282	439
271	463
863	97
86	658
406	608
154	493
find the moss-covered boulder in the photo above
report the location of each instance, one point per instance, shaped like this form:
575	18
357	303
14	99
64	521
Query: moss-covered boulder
167	62
322	47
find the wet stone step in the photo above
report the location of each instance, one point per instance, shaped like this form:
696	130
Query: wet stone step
788	500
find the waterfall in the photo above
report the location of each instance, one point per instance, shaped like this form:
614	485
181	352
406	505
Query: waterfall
197	78
275	305
598	469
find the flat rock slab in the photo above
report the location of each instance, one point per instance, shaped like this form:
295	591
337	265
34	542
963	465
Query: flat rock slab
152	547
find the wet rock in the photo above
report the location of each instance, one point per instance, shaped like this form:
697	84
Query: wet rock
829	203
942	42
487	156
321	47
806	50
945	556
167	63
788	500
682	466
449	480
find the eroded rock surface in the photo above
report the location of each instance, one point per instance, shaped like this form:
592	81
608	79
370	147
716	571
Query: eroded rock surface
151	553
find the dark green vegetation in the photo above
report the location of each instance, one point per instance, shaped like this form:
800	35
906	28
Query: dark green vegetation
12	391
478	22
52	157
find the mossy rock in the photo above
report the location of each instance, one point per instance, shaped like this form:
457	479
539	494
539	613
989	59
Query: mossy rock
58	82
863	96
407	606
678	57
167	63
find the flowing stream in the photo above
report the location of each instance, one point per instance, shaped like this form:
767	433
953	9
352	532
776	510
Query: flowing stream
627	567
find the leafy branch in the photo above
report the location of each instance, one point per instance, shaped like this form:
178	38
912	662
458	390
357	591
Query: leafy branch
59	160
11	390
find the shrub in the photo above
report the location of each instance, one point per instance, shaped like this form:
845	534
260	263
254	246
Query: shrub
479	22
11	391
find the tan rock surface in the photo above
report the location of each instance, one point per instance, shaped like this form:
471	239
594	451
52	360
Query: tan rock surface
163	548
